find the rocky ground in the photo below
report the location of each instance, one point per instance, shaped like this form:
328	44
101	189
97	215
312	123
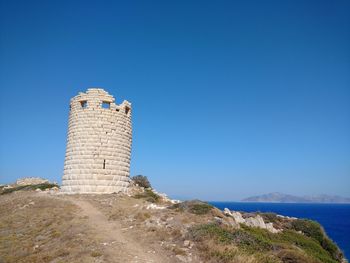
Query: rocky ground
45	226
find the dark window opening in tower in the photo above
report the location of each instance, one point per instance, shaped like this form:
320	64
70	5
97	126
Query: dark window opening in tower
83	104
104	164
117	109
127	109
106	104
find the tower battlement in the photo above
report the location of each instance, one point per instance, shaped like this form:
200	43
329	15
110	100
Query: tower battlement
98	144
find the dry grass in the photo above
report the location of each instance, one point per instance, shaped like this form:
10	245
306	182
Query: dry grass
142	216
38	229
96	254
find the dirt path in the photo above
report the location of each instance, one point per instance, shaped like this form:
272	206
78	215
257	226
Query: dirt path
117	245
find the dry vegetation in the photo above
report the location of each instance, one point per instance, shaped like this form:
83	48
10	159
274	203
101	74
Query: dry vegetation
39	227
42	187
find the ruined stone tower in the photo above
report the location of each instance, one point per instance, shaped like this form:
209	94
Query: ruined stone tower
98	144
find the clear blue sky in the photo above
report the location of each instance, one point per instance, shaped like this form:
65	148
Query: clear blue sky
230	98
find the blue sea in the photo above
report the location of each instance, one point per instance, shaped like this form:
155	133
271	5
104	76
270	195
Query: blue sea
335	218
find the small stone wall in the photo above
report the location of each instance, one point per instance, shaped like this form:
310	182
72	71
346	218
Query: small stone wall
31	181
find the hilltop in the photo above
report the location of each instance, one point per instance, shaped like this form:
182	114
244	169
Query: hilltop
145	226
285	198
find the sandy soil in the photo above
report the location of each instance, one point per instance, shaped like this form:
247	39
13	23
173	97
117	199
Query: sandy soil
120	247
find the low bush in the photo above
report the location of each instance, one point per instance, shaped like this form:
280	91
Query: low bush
253	239
309	228
333	250
201	232
142	181
200	209
149	195
292	256
239	237
28	188
287	246
195	207
269	217
311	246
314	230
96	254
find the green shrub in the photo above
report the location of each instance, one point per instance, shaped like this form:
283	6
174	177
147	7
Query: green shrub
211	231
287	246
149	195
13	189
269	217
96	254
28	188
142	181
309	228
293	256
333	250
310	245
200	209
239	237
259	239
176	207
314	230
194	206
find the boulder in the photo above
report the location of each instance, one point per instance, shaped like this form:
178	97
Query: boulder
154	206
237	216
187	243
269	227
252	221
231	222
256	221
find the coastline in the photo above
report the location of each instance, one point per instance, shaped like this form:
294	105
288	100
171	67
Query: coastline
331	216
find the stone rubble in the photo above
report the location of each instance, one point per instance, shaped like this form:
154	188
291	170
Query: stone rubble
31	181
165	198
154	206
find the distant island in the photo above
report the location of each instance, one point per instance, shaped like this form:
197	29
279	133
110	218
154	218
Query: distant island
285	198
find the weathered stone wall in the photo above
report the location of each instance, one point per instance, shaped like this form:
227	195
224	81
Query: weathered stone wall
31	181
98	145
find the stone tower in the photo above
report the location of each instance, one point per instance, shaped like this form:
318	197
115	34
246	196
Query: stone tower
98	144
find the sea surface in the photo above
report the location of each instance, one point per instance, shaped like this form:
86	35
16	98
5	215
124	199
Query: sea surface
335	218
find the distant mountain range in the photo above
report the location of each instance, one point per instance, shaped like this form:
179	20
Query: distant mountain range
285	198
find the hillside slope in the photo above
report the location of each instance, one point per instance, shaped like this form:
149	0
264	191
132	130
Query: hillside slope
38	226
